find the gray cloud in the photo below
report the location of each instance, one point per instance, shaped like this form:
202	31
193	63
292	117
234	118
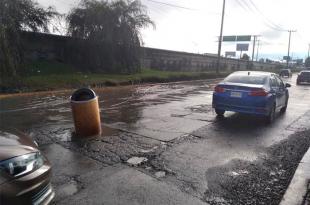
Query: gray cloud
271	34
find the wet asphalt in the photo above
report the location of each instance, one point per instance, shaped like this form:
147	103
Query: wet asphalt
201	159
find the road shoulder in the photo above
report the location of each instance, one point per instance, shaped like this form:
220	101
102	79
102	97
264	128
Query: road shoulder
297	190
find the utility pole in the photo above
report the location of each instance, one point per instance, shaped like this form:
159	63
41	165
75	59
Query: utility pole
257	49
289	47
254	42
308	50
220	40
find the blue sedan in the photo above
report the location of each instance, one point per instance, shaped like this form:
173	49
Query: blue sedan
251	92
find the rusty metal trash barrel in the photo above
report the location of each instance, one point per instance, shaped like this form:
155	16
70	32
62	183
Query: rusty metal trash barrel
85	111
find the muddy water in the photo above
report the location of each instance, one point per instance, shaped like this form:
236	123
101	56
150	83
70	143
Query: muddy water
125	105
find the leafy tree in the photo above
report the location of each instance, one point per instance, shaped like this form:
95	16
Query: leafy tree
245	57
17	16
261	60
112	31
307	62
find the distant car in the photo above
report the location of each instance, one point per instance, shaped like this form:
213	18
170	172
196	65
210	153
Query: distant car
24	172
286	73
251	92
303	77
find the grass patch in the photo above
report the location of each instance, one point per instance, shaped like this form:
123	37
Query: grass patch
80	79
42	76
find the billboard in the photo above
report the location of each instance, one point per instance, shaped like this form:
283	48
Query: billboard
242	46
230	53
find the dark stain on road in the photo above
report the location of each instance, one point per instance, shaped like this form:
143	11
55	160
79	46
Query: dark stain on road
262	181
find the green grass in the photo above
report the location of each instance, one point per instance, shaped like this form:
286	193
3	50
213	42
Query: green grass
48	68
53	75
77	79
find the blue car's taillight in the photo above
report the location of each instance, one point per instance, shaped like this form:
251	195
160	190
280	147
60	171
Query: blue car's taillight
258	92
219	89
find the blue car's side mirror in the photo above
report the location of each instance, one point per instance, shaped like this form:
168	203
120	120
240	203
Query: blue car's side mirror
287	85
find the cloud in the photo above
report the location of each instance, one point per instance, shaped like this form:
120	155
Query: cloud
271	34
177	29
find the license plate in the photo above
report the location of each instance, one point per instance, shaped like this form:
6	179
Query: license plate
236	94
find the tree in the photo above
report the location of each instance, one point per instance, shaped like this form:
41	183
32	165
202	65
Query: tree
111	28
307	62
17	16
245	57
261	60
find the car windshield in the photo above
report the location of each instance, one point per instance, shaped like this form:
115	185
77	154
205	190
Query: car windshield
247	79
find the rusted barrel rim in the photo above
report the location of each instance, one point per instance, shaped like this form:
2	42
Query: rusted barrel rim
81	102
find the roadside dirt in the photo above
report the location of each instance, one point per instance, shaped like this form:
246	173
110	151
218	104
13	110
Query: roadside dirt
263	181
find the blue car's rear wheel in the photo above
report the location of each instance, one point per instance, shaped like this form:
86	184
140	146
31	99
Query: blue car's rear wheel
219	112
272	115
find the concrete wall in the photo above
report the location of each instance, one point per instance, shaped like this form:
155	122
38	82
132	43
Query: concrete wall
40	46
173	60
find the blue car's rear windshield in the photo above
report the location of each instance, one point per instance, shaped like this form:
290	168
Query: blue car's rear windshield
247	79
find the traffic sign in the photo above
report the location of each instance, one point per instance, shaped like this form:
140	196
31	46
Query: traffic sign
244	38
229	38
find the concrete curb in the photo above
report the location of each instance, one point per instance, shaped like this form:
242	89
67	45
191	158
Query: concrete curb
298	187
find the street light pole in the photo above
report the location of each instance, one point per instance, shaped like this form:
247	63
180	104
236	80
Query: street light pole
257	49
220	40
253	52
289	47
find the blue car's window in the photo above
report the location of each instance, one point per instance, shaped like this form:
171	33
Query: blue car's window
247	79
280	82
273	82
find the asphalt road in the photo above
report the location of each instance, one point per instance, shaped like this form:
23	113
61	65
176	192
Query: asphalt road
191	156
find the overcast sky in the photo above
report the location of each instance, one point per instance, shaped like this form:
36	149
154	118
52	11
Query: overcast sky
196	29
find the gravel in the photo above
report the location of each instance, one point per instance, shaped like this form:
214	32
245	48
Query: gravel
263	181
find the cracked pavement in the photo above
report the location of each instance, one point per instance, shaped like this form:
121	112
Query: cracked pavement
193	157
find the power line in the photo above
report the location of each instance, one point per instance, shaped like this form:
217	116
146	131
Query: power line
172	5
270	21
266	21
157	10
